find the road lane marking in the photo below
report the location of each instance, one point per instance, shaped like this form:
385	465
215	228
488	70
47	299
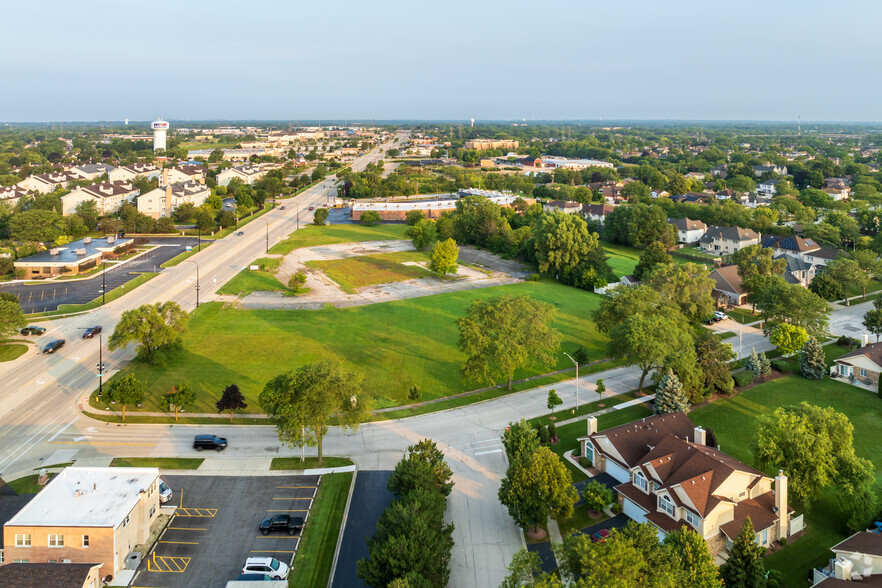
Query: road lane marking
277	487
59	431
291	510
102	443
77	439
295	497
486	452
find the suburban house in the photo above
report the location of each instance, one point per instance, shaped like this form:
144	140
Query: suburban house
857	560
597	212
162	201
838	193
774	169
432	209
87	515
58	575
182	173
46	183
107	196
808	250
864	364
10	195
822	256
127	173
728	240
92	171
561	206
767	188
248	173
668	476
797	270
73	258
719	171
695	176
688	230
727	289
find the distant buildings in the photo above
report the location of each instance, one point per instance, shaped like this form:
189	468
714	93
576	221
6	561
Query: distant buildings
92	171
688	230
162	201
247	173
597	212
127	173
484	144
433	209
562	206
46	183
566	163
10	195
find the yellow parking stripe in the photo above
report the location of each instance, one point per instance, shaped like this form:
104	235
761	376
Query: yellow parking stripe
169	564
195	512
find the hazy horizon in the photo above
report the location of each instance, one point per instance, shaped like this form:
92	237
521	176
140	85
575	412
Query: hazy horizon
684	61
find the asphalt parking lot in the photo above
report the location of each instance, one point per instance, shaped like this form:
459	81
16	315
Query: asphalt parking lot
214	529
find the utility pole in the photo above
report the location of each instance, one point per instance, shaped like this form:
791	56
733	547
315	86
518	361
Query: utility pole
103	283
197	281
100	365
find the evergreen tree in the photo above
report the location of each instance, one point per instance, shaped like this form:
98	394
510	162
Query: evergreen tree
753	363
812	362
669	395
765	365
745	569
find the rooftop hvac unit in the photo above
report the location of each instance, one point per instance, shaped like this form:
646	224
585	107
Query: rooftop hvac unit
110	240
87	239
80	251
54	251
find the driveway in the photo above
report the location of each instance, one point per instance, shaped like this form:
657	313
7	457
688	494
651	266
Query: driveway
369	499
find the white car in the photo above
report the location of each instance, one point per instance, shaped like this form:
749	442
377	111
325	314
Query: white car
266	565
720	315
165	493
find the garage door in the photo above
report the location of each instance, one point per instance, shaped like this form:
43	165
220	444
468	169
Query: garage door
617	471
633	511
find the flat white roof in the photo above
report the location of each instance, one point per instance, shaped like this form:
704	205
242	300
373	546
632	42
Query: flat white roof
86	497
445	204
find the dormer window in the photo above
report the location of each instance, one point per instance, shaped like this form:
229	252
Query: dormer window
666	504
640	480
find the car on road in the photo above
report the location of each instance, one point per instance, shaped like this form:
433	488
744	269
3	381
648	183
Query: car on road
281	208
32	330
312	207
240	233
165	493
600	536
53	346
325	205
91	332
201	442
284	523
266	565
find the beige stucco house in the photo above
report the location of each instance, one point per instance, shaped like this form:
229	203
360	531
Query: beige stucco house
107	196
162	201
668	476
728	240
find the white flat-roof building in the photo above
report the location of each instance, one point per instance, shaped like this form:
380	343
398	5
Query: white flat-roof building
86	515
566	163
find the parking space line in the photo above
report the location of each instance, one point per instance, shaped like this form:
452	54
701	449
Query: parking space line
186	529
293	498
164	563
295	510
273	551
278	537
296	487
196	512
181	542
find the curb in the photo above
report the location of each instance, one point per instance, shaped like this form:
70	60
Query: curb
342	527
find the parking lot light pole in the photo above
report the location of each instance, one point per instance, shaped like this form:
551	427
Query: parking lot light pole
576	363
197	281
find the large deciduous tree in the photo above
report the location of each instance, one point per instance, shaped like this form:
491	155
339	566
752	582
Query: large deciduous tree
686	287
444	258
155	327
423	233
848	273
301	402
873	318
788	338
320	216
564	247
780	302
126	390
502	334
519	440
231	400
12	318
655	255
649	341
422	467
537	487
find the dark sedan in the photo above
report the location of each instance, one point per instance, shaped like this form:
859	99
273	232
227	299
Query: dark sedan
284	523
91	332
53	346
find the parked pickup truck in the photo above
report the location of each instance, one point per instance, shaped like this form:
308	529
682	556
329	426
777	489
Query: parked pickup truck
285	523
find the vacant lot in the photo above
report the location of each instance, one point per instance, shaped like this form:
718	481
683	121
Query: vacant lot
733	420
394	345
312	236
261	280
366	270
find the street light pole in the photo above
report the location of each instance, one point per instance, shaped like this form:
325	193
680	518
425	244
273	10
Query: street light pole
267	234
576	363
197	281
103	283
100	365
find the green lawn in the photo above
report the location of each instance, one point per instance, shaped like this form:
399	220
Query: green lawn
11	351
621	259
312	236
294	463
394	345
248	281
163	463
182	256
732	419
366	270
742	316
27	484
315	554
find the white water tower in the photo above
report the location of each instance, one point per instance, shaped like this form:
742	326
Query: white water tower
160	128
473	122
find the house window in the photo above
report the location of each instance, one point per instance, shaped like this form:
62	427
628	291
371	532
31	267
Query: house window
125	522
667	505
589	452
693	519
85	542
23	540
2	557
863	373
56	540
763	538
20	561
640	480
844	370
152	510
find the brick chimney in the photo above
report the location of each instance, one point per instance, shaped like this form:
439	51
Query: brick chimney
700	436
168	198
592	425
781	504
164	178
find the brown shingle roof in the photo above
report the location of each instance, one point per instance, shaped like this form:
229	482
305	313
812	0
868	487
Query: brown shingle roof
633	440
862	542
759	510
727	279
40	575
873	352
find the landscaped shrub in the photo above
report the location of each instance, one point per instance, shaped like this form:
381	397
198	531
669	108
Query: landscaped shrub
542	432
552	432
743	378
585	462
781	366
534	277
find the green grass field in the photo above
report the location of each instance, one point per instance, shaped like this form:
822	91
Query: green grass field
313	236
733	420
394	345
621	259
163	463
315	554
11	351
262	280
366	270
295	463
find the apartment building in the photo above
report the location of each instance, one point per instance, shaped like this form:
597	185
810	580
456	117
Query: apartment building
46	183
162	201
127	173
484	144
107	196
247	173
86	515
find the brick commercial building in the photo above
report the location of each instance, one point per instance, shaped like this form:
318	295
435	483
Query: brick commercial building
86	515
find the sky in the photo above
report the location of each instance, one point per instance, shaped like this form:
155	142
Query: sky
450	60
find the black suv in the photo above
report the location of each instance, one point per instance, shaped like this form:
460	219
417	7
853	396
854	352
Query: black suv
33	330
286	523
209	442
91	332
53	346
